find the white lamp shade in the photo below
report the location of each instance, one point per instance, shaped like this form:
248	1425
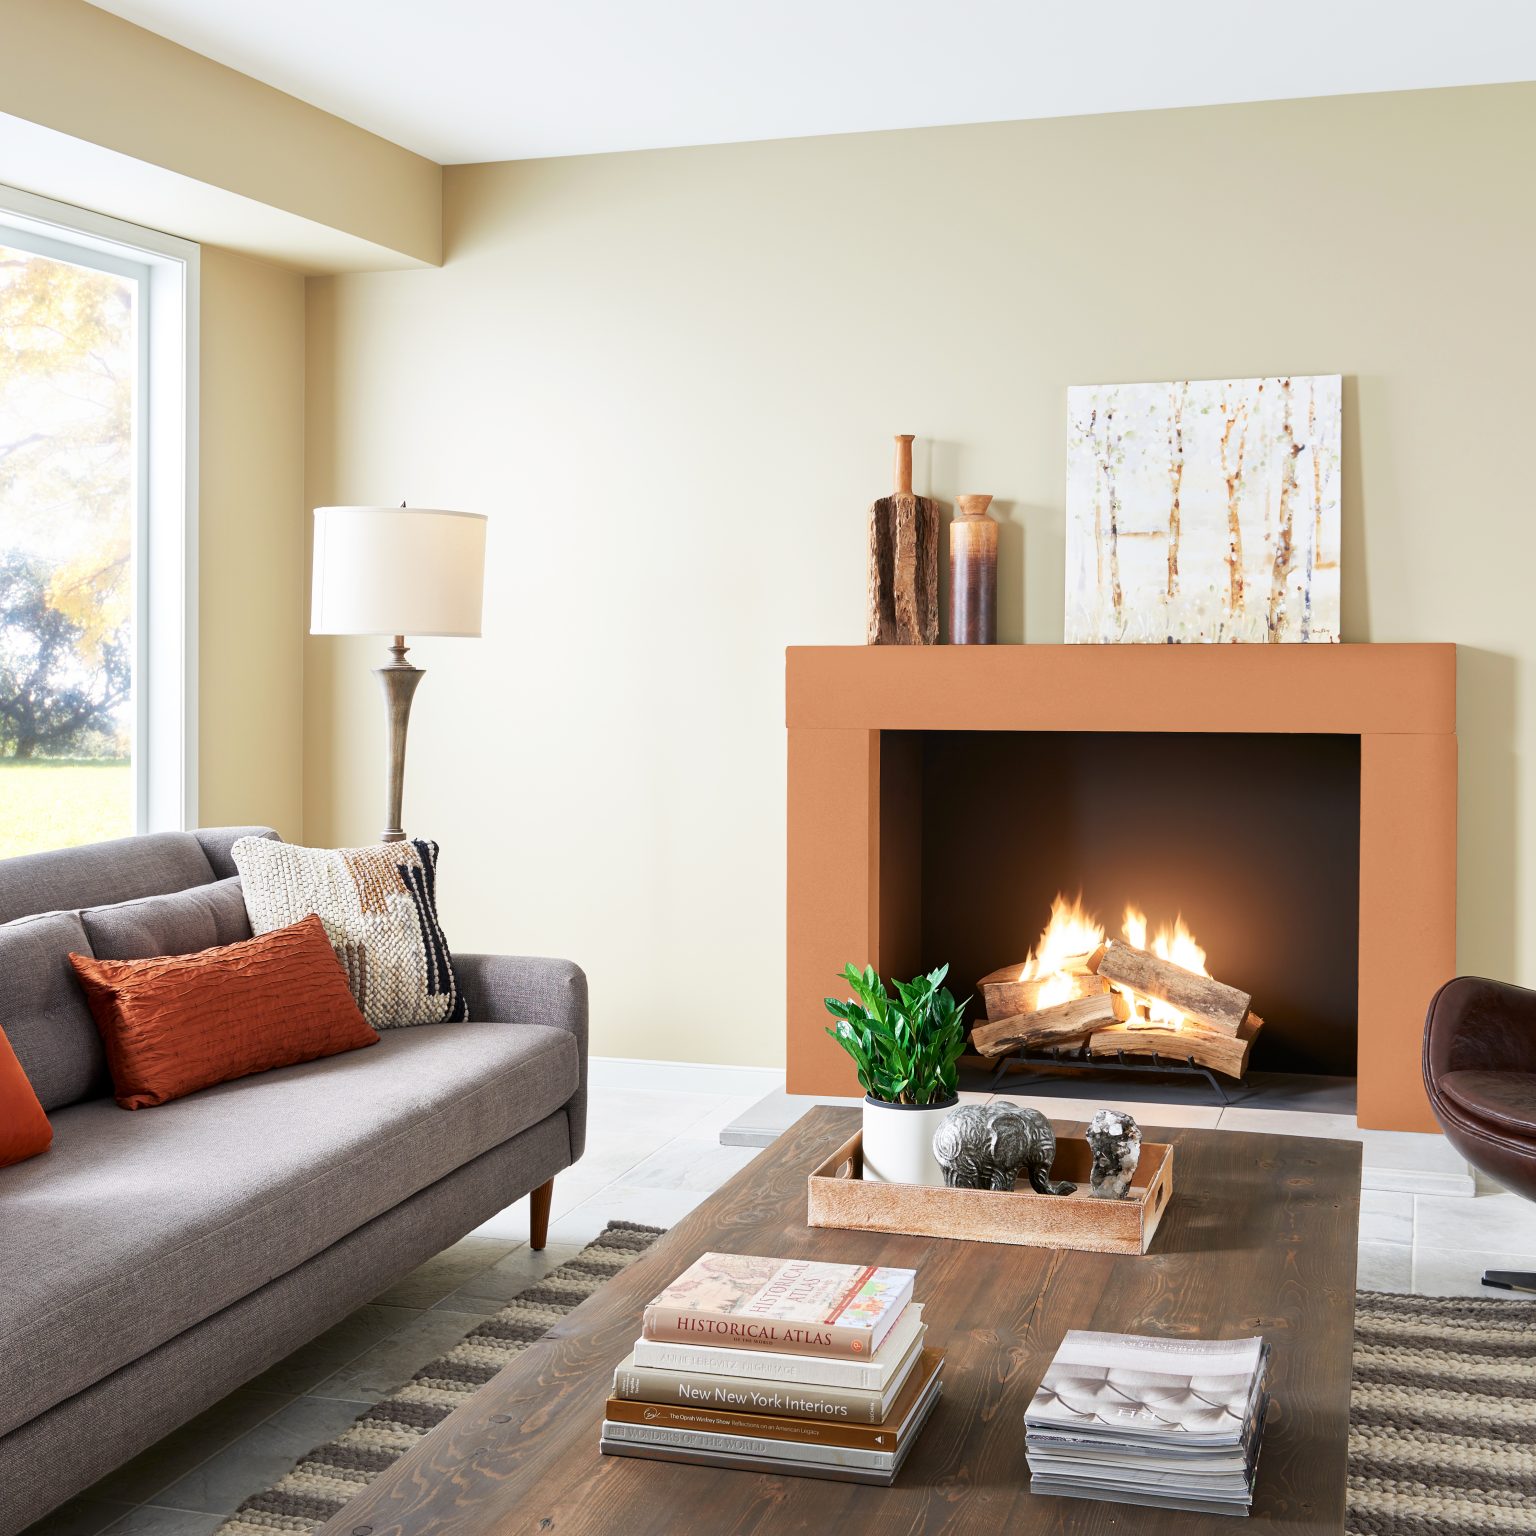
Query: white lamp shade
397	571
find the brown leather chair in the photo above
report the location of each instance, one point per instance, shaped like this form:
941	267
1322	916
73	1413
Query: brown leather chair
1480	1071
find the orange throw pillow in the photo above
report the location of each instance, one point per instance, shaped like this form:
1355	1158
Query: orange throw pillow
24	1128
177	1023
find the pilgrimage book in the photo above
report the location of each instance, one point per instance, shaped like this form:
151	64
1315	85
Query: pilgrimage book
874	1374
753	1394
795	1306
776	1424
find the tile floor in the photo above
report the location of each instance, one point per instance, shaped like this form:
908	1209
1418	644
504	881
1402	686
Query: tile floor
651	1157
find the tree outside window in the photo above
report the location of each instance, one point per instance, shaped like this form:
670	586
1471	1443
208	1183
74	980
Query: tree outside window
68	490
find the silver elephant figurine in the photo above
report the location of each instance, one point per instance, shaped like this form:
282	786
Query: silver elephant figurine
983	1146
1115	1141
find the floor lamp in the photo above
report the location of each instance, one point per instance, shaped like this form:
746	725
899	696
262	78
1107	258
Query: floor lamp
397	571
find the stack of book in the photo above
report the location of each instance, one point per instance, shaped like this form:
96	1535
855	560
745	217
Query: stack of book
1173	1423
773	1365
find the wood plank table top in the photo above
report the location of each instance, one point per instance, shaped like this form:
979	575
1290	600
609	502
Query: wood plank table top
1259	1238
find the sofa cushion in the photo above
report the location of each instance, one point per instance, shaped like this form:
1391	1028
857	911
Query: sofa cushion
180	923
43	1011
1506	1100
122	870
217	844
173	1024
135	1227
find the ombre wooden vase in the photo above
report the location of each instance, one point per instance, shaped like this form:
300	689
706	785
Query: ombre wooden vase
973	573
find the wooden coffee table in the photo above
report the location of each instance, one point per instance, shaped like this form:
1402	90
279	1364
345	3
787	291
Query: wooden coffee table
1259	1238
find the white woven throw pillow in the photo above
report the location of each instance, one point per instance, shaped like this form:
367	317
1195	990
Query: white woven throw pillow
379	907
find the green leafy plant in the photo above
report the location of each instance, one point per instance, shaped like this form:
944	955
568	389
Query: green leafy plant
906	1046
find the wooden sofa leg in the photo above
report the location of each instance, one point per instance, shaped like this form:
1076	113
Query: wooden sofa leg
538	1214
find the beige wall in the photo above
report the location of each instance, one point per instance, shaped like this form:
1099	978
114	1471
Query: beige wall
251	541
671	379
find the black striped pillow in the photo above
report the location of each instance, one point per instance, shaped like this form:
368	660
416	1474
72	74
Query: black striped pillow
379	907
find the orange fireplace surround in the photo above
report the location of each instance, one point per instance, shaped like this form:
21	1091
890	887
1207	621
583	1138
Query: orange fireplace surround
850	890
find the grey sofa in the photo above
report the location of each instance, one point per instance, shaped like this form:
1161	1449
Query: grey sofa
152	1261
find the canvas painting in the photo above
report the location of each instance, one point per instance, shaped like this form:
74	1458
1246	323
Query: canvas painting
1204	510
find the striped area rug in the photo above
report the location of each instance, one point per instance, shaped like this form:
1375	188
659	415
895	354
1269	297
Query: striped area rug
1443	1417
1440	1434
332	1473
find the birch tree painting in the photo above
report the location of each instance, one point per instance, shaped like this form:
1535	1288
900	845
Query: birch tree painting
1204	511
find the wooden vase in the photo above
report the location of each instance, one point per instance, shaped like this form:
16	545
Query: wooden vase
903	581
973	573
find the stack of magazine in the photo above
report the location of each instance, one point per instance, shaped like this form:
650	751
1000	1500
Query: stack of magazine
775	1365
1172	1423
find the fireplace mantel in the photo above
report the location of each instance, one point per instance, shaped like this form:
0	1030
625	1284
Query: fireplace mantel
1400	700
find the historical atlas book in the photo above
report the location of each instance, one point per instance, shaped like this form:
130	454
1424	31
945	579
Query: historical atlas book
873	1375
787	1305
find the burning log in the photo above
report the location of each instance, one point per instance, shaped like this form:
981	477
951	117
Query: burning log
1227	1054
1068	1023
1004	996
1213	1004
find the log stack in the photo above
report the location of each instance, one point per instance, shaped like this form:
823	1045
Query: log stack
1218	1030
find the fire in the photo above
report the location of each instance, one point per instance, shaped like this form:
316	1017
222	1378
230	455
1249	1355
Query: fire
1073	934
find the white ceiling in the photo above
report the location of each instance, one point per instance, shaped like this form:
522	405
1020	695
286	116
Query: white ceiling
468	80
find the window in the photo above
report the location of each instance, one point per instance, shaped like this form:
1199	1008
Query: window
97	588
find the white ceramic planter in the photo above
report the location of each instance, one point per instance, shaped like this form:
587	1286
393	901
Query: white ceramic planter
898	1142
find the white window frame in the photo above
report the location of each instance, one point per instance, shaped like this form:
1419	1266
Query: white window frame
165	529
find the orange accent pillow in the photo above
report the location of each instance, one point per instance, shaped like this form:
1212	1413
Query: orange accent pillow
177	1023
24	1128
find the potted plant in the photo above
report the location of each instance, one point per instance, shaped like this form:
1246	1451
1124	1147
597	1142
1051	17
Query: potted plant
905	1048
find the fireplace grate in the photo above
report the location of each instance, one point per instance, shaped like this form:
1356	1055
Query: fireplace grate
1078	1060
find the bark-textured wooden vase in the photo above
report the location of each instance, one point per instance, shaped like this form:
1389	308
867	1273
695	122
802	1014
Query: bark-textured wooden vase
973	573
903	562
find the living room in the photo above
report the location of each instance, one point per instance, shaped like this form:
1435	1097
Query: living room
957	578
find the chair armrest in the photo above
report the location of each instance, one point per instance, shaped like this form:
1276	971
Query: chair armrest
1477	1025
528	989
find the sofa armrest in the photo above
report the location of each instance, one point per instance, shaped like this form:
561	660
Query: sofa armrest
528	989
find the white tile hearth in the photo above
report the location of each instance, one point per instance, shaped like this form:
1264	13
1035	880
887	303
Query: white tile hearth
652	1155
1421	1165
